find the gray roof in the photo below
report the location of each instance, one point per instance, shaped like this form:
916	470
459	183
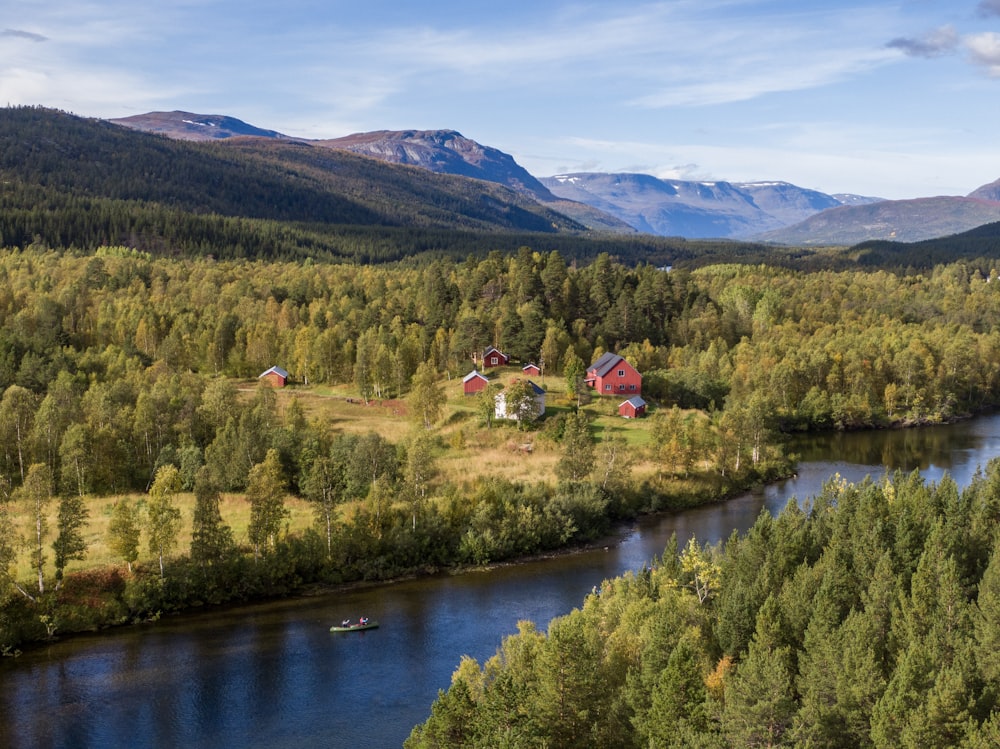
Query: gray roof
605	364
635	400
275	370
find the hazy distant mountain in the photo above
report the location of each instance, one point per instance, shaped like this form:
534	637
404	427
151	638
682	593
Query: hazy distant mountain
897	220
694	209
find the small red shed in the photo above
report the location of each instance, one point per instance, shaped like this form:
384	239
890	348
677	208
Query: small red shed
493	357
612	375
474	382
275	377
633	408
531	370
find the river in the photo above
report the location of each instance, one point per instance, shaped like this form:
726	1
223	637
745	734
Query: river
272	675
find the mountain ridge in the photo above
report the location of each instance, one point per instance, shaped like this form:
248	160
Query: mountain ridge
768	211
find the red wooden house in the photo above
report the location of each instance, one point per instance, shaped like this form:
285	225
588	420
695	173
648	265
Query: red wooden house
275	377
493	357
531	370
612	375
633	408
474	382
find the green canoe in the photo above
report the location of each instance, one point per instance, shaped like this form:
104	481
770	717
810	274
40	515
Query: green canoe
354	626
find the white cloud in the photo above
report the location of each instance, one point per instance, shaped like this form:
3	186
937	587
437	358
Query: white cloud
984	50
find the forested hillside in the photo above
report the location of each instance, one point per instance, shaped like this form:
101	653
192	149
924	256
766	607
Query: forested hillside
73	182
868	618
120	372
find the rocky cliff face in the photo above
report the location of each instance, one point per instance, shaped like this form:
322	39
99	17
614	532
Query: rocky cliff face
444	151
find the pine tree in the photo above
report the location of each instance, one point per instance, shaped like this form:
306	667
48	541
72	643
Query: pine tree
211	538
69	543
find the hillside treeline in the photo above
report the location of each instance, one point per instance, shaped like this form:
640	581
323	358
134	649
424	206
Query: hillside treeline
820	350
868	618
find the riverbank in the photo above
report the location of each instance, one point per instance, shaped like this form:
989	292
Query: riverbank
102	598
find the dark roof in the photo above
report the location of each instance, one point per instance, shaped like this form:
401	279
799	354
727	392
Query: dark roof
605	364
537	390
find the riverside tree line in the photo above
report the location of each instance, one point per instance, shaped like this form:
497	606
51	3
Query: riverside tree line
117	372
868	617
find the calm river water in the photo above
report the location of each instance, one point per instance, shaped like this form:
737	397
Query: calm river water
272	675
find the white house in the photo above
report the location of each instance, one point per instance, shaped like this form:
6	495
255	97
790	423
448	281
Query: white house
538	398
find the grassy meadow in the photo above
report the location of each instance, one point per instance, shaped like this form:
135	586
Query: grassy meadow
465	451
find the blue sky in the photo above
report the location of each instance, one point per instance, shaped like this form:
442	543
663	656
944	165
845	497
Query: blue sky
890	99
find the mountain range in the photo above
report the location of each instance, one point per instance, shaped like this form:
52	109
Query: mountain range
769	211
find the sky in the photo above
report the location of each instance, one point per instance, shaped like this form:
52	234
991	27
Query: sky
886	99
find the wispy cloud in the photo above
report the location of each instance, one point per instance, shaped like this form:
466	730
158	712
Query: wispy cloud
989	8
937	43
652	56
766	78
19	34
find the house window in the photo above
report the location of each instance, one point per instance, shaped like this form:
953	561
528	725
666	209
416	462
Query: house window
607	387
621	387
621	372
631	387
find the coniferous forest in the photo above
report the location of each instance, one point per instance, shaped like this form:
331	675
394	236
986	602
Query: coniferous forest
145	285
869	618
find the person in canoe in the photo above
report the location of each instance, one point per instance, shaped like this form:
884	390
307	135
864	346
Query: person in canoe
345	623
363	621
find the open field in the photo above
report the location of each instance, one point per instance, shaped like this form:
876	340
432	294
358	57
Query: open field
464	451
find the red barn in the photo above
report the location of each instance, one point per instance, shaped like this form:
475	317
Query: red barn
633	408
275	377
493	357
474	382
612	375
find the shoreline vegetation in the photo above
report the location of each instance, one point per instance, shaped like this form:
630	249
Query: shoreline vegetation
144	470
868	617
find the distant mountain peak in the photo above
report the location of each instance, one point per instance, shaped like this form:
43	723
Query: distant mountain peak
190	126
444	151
